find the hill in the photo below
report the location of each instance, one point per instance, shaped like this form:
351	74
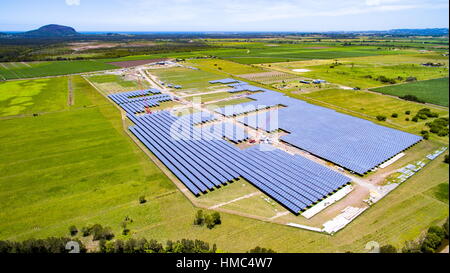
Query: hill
51	31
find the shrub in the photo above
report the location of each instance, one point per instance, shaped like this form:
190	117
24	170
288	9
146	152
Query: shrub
216	218
415	119
388	249
209	221
431	243
446	160
394	115
412	98
261	250
381	118
142	199
98	232
199	218
407	112
439	231
73	230
85	231
411	247
407	119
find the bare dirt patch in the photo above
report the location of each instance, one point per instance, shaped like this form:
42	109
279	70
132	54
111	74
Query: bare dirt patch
91	45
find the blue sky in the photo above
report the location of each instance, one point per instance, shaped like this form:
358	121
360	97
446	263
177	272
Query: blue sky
224	15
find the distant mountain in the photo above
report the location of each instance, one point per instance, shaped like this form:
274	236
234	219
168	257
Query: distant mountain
51	31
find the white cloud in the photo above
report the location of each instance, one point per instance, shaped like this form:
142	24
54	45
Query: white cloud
73	2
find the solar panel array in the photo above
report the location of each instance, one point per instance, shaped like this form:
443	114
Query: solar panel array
200	117
267	120
243	108
136	101
228	130
203	163
241	87
353	143
224	81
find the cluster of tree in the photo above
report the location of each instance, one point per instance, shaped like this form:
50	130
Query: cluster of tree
97	231
385	79
412	98
153	246
438	126
33	246
261	250
432	240
210	220
430	243
423	114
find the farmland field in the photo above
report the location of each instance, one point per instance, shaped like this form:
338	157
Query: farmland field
54	68
432	91
33	96
363	72
191	80
225	66
256	53
108	83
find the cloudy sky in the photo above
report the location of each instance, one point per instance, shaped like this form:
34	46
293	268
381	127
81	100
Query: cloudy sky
224	15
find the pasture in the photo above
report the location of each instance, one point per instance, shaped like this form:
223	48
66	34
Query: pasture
264	52
54	68
433	91
33	96
109	83
225	66
192	81
363	72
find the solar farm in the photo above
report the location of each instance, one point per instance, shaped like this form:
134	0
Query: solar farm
212	147
290	154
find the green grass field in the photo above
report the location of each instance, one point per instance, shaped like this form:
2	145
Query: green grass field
362	71
78	167
41	69
108	83
432	91
33	96
192	81
225	66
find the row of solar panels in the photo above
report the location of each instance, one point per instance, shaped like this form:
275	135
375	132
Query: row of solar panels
139	106
228	130
200	117
225	81
239	109
121	99
267	121
204	165
137	93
